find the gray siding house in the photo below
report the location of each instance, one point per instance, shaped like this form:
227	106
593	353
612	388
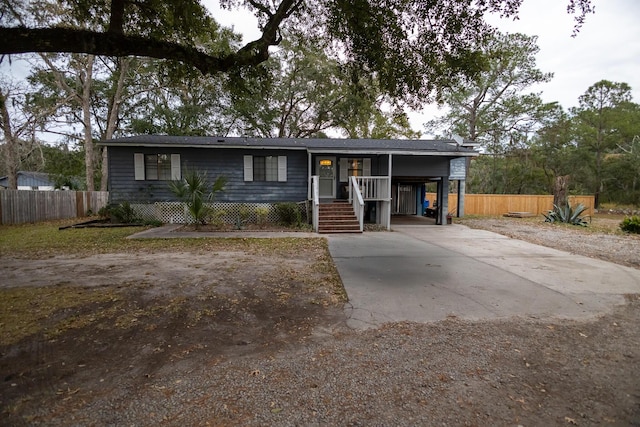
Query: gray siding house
30	181
387	175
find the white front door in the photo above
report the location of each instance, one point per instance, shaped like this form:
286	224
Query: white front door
326	170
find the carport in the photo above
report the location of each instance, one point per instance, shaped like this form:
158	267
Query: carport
389	175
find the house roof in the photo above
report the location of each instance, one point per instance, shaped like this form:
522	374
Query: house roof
313	145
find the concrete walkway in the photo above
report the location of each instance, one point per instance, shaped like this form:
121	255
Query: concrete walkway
427	273
169	232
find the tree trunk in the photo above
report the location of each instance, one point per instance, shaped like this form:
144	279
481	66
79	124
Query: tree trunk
11	146
560	196
89	156
112	118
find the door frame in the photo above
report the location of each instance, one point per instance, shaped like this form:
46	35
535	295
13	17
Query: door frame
335	175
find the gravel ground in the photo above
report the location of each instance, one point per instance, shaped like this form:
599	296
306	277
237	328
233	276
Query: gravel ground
314	371
618	248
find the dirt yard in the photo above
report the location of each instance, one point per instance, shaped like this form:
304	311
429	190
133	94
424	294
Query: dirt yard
253	333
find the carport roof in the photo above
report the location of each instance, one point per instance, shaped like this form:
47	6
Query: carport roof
314	145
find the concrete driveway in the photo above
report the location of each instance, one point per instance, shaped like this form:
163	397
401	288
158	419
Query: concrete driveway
426	273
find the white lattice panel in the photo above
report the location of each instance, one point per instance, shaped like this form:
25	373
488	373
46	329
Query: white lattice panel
230	213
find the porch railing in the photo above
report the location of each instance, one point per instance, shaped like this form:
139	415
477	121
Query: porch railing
373	187
315	201
356	201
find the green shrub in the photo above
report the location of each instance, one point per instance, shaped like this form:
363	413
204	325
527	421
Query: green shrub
289	214
568	215
261	215
122	213
631	224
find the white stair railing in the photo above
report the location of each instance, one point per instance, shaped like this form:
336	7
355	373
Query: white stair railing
355	197
315	202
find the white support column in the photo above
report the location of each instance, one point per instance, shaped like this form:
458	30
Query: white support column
444	200
461	194
309	170
388	210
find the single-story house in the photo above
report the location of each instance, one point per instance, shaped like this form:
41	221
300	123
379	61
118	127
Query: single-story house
379	177
30	181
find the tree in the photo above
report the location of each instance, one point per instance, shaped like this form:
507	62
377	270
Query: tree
414	47
553	149
488	107
177	101
493	109
18	122
602	122
303	93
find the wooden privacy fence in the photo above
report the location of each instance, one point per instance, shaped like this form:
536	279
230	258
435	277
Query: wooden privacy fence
24	206
499	204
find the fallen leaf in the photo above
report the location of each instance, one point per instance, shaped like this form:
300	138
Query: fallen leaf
583	335
570	421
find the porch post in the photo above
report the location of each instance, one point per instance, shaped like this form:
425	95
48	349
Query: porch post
388	203
461	193
443	200
309	169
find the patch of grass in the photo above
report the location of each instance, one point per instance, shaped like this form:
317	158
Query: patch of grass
24	311
52	310
44	239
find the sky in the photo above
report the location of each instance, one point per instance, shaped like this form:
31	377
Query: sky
607	47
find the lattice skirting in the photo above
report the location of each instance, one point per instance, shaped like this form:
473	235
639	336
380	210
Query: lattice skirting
228	213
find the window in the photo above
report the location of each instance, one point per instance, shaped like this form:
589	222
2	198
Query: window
157	167
265	168
354	167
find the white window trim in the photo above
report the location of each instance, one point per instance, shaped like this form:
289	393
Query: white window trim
282	169
139	167
138	160
248	168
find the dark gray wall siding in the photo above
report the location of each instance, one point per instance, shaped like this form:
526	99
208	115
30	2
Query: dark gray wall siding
420	166
227	162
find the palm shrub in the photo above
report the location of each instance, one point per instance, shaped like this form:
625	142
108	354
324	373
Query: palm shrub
195	191
631	224
568	215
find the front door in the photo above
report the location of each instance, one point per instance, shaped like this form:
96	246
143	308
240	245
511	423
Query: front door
326	170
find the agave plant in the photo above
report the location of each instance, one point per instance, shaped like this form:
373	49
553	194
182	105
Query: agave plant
568	215
194	190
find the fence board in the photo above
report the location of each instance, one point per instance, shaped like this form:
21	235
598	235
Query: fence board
499	204
24	206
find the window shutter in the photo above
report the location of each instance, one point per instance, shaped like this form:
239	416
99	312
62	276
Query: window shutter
366	167
248	168
344	170
138	165
282	168
176	173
